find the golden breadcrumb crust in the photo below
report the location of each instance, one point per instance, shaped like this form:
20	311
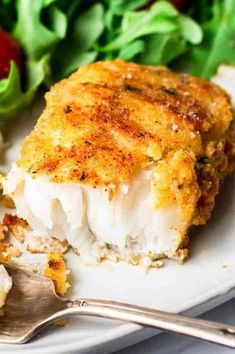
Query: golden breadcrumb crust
111	119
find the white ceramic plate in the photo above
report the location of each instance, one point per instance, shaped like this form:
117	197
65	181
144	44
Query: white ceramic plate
205	279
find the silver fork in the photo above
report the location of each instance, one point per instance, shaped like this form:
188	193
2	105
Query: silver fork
32	305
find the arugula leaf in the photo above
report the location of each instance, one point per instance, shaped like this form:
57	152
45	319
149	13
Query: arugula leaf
158	28
131	50
57	36
35	38
77	48
115	11
201	10
162	48
12	98
159	18
48	2
7	14
218	45
190	30
154	36
119	7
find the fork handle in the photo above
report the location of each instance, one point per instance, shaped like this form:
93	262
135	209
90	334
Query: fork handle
205	330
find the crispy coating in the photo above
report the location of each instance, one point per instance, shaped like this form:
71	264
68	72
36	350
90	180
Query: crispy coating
111	119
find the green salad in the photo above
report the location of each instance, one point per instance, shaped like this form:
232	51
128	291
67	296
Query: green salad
58	36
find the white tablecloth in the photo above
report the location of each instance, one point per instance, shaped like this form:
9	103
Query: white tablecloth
173	344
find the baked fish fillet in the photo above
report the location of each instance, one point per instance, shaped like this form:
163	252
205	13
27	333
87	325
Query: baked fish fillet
124	160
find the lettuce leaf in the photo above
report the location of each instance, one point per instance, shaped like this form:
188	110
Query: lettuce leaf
218	45
37	41
79	42
57	36
153	36
162	49
159	18
13	98
34	36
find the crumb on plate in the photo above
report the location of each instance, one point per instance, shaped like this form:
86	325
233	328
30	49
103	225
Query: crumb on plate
56	270
40	244
224	266
181	255
8	251
2	232
158	264
17	226
13	251
8	202
60	323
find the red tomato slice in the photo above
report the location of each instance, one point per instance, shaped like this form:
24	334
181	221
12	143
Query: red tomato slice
9	50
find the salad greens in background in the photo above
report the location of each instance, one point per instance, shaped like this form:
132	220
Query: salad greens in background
57	36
